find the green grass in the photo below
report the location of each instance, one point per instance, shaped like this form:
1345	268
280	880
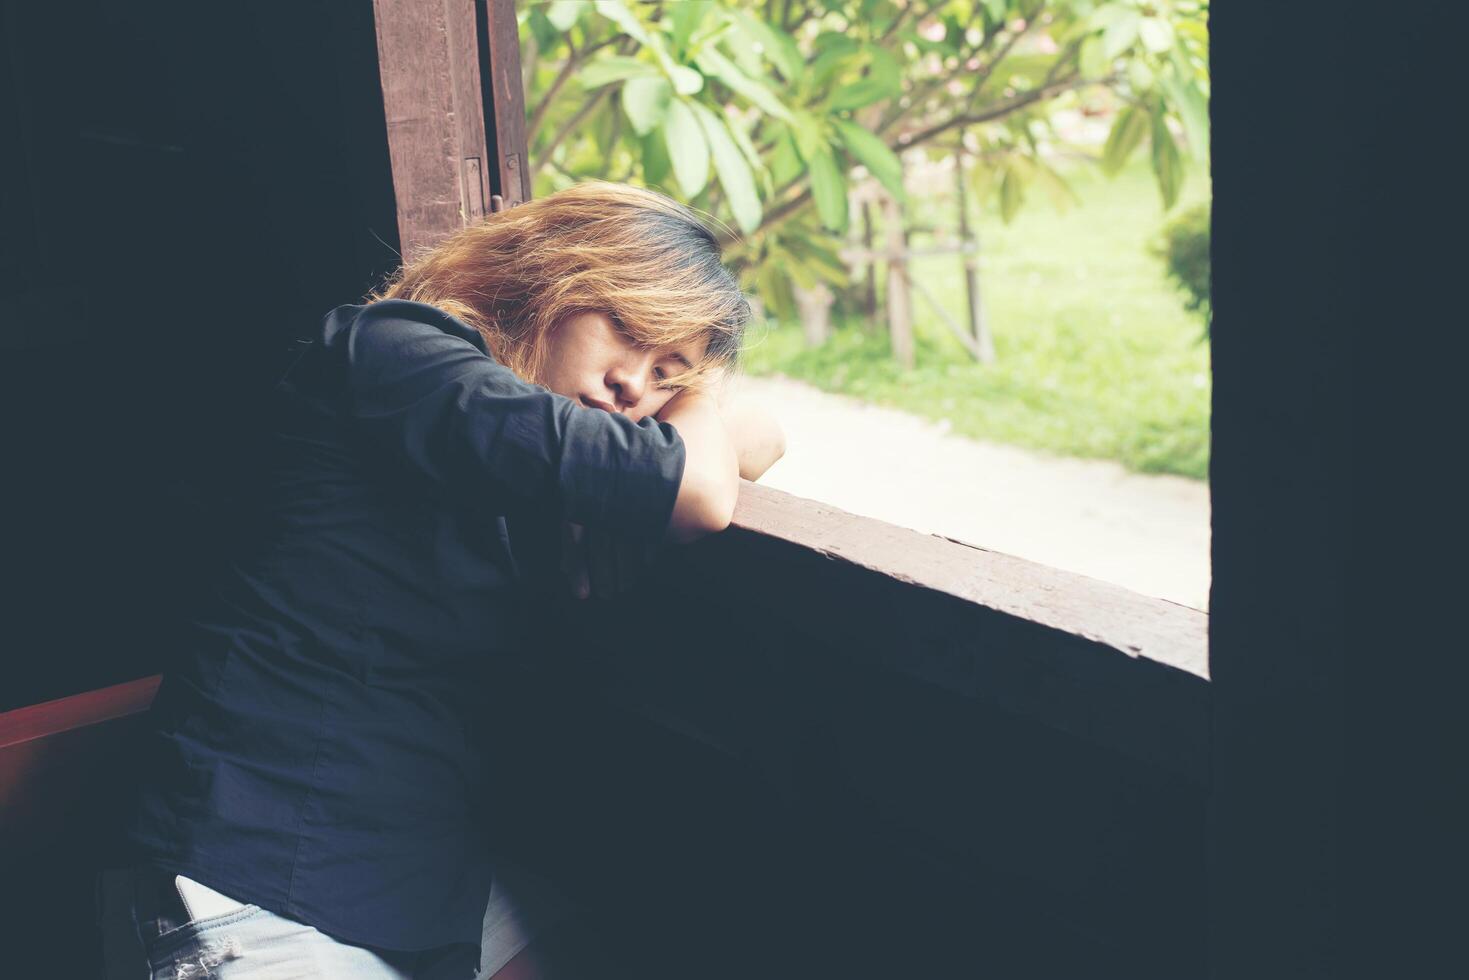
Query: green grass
1096	355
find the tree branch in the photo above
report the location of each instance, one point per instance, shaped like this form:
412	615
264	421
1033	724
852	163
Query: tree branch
587	109
582	113
1003	53
917	97
1000	109
903	16
997	111
573	61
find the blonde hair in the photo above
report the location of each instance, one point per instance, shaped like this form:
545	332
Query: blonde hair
634	254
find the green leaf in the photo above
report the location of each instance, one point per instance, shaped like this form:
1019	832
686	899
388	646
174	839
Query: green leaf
821	261
603	126
646	101
685	80
1092	59
545	33
830	190
564	13
873	154
614	68
1167	164
1156	34
803	277
686	18
775	44
996	9
1012	194
1107	14
1121	34
1127	132
617	12
831	58
809	133
882	81
1063	198
1139	75
829	41
1192	109
711	62
656	163
982	179
687	148
785	159
732	168
775	289
742	140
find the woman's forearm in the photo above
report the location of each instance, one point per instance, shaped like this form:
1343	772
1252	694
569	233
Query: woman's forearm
711	478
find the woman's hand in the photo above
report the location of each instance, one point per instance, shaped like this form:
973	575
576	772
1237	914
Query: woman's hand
758	438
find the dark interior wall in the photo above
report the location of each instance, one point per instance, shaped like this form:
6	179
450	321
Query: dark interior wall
185	185
1336	631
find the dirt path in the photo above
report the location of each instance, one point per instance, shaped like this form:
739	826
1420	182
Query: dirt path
1148	533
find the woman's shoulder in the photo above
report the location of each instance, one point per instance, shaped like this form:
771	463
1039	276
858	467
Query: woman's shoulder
387	320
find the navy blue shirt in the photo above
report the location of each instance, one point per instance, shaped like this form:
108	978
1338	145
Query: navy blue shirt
313	751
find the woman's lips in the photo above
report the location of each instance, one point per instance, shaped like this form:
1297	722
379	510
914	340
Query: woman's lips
594	403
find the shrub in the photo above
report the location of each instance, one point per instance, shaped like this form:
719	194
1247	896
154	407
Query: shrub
1185	250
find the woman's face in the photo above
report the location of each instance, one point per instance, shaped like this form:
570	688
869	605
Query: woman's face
594	362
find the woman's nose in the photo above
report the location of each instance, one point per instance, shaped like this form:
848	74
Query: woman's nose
629	382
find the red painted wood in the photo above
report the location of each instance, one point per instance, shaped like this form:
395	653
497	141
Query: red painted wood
51	718
59	757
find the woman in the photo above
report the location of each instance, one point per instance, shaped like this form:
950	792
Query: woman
312	776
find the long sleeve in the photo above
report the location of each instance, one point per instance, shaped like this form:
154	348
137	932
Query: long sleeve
418	385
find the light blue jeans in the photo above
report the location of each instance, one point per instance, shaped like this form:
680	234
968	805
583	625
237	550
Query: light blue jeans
145	936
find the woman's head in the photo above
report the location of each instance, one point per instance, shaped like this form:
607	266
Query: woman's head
558	279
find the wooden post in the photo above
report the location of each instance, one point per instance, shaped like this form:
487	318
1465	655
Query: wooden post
503	102
869	297
900	301
455	113
815	308
984	344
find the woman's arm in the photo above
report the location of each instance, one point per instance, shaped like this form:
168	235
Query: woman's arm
758	438
711	477
711	433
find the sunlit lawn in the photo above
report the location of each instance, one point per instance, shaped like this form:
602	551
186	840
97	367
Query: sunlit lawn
1096	355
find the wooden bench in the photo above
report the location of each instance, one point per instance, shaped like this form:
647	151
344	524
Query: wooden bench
56	756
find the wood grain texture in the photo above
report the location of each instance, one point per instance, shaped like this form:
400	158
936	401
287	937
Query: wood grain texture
504	100
469	116
1136	625
455	112
418	102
